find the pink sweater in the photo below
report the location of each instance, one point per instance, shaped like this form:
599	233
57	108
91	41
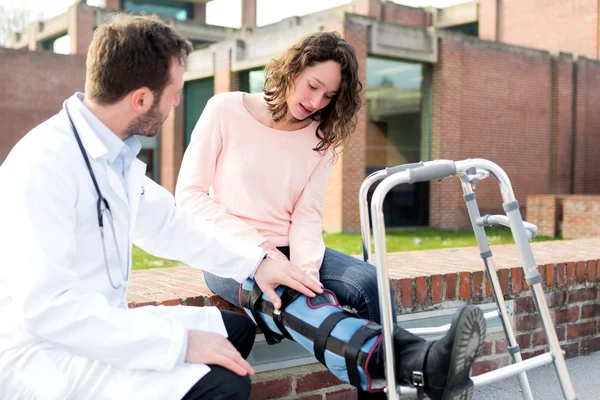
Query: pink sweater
268	184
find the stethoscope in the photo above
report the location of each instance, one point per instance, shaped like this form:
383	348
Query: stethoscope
102	212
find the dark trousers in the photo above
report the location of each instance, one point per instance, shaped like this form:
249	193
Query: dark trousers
221	383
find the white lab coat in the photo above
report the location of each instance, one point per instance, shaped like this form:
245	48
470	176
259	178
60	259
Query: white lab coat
65	333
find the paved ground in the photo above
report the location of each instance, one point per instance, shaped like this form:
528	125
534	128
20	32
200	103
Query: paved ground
584	372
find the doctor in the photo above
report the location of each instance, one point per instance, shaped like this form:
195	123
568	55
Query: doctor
74	198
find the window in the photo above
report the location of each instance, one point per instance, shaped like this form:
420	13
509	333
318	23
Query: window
175	9
252	81
394	107
471	28
196	94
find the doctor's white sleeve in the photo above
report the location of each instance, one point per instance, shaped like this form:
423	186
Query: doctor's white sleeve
46	284
170	232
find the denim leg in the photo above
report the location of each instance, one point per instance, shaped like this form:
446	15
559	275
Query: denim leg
354	283
227	288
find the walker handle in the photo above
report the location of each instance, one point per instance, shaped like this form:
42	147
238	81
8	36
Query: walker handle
437	170
403	167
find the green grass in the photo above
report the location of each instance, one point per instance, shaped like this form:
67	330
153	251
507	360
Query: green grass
396	241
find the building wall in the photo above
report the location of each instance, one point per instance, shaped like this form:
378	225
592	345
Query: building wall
489	101
34	84
568	26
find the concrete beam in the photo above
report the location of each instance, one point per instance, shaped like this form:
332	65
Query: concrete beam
459	14
397	41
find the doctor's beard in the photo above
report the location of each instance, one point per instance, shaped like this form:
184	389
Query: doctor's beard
147	125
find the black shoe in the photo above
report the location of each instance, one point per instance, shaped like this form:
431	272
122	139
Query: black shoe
440	369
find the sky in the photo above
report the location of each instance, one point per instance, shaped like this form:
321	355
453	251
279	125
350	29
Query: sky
228	12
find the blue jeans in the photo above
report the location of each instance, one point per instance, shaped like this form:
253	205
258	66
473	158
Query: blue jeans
353	281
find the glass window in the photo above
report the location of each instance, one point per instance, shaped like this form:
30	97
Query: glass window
394	103
196	94
176	9
252	81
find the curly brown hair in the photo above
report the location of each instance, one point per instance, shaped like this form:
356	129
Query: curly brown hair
338	118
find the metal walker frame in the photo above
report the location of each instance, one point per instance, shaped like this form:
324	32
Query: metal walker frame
469	171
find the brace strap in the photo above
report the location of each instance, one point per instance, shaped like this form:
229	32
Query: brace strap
363	334
323	334
333	344
418	376
287	297
253	300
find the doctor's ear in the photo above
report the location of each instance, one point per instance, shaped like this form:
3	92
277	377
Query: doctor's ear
141	99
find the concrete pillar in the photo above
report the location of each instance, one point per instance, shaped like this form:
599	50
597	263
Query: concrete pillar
171	148
248	13
80	28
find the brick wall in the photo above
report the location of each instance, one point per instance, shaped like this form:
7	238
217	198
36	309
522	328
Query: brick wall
353	158
35	85
581	217
544	24
403	15
545	211
479	112
587	120
81	29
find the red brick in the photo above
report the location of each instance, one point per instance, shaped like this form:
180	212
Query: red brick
483	366
310	397
451	286
271	389
590	311
501	346
478	284
531	353
580	271
524	340
346	394
579	330
406	291
489	290
517	279
561	277
503	276
486	348
573	314
174	302
421	290
524	304
549	275
590	345
465	285
570	273
197	301
526	322
591	268
555	299
590	293
316	380
559	316
436	289
571	349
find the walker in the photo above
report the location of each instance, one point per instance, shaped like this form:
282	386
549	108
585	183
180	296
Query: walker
469	171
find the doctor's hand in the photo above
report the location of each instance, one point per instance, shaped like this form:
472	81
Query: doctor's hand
272	273
273	252
213	348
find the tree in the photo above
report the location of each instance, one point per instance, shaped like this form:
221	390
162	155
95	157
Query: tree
14	19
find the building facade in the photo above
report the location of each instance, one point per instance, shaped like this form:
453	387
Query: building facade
453	83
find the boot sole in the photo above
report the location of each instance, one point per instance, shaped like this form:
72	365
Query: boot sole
470	334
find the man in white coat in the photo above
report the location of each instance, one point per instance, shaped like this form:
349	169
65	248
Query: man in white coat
65	329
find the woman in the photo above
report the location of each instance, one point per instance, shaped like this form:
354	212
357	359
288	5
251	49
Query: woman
267	157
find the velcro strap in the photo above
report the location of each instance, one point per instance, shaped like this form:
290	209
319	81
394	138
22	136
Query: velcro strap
287	297
418	377
252	300
323	334
357	340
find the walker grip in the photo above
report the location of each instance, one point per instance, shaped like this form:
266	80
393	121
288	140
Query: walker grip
432	172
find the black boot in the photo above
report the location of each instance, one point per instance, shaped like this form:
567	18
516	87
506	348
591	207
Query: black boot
439	368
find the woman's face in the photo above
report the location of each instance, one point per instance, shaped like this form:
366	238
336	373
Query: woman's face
314	88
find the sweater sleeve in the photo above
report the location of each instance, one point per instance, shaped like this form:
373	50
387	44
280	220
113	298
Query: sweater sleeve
306	237
197	174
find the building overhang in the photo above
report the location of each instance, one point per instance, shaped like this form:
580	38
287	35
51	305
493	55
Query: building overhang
459	14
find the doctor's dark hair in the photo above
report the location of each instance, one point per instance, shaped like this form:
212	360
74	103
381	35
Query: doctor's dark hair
131	52
338	118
